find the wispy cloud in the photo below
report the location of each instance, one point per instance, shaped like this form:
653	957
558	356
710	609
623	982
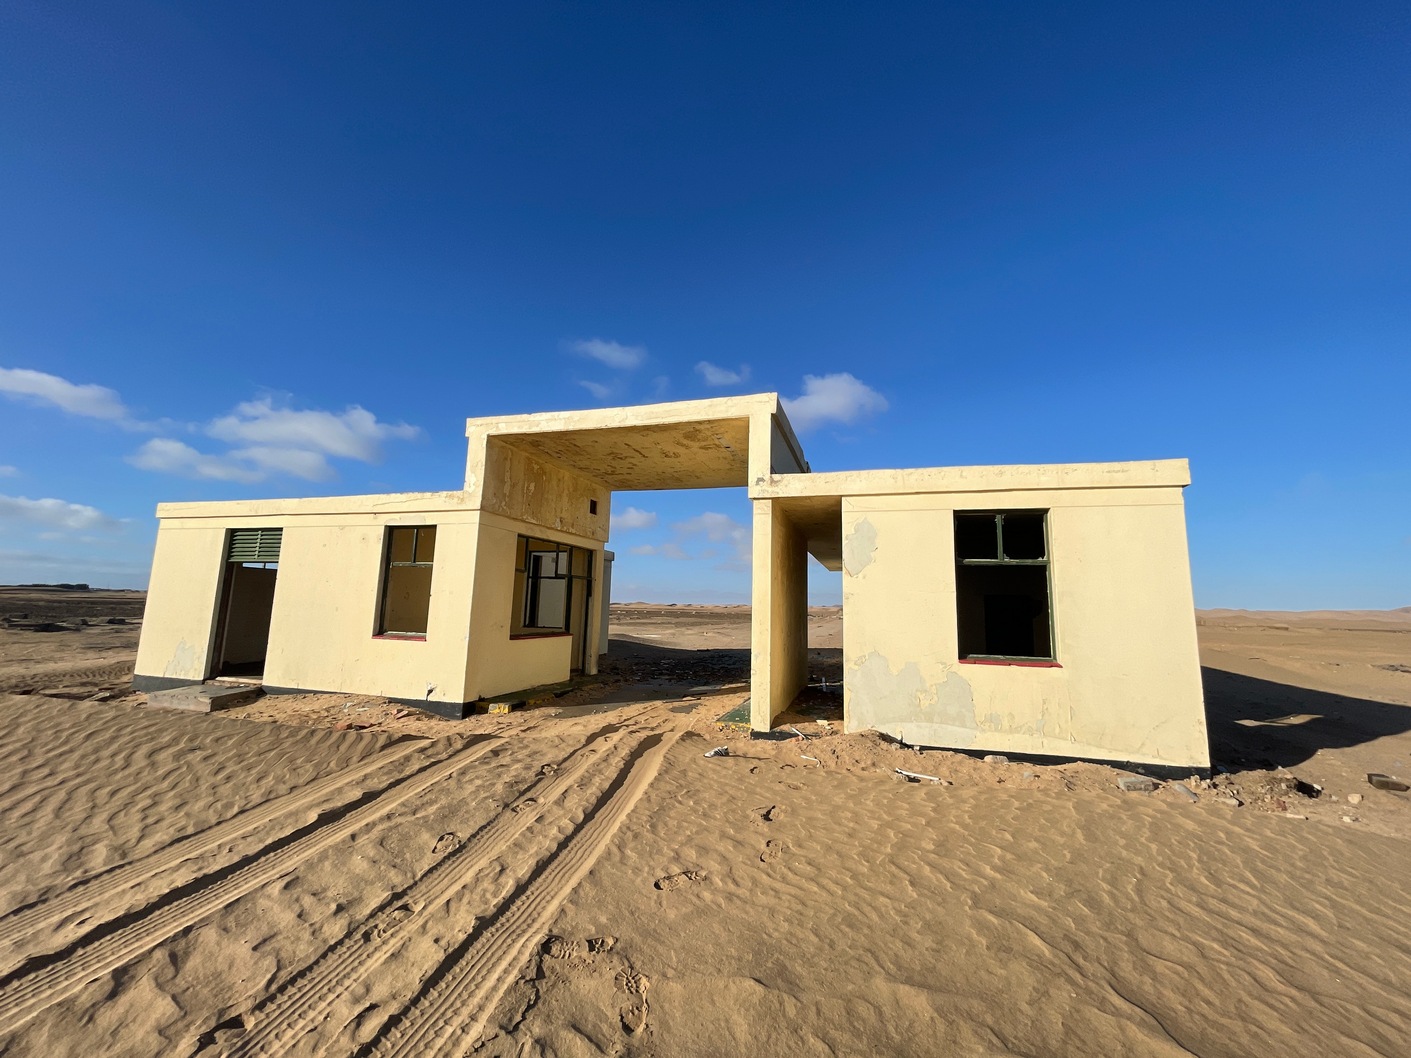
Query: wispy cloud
720	376
353	433
599	391
707	536
54	514
275	440
614	354
7	471
167	456
88	400
632	518
838	398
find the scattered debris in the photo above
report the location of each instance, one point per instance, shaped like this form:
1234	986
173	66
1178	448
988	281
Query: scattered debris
1386	782
1349	819
1185	791
815	760
912	776
1354	798
1136	784
718	751
799	733
1395	668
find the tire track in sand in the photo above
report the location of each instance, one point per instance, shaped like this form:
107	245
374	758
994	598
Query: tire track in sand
310	998
39	923
449	1012
25	993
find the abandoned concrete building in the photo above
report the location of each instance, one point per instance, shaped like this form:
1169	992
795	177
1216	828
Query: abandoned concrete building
1026	609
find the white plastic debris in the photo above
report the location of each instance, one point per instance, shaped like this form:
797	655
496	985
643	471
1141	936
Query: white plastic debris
917	775
815	760
798	732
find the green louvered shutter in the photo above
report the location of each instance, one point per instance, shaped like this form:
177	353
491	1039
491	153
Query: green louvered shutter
254	545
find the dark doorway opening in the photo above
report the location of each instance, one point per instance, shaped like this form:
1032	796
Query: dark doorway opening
247	602
245	619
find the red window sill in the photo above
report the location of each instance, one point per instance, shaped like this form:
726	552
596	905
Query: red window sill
408	637
541	635
1020	664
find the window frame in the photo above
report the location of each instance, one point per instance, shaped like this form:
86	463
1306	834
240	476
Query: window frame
381	631
999	514
524	595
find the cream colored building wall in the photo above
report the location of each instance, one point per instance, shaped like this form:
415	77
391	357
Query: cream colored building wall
322	629
1128	686
178	624
779	618
518	485
497	663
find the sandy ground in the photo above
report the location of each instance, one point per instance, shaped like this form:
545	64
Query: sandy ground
329	874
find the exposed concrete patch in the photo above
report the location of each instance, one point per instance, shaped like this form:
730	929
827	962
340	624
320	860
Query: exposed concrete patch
880	698
183	662
859	548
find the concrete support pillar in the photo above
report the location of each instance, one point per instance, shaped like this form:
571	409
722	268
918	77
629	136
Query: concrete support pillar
779	615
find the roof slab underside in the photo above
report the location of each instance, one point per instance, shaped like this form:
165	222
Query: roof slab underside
700	454
820	519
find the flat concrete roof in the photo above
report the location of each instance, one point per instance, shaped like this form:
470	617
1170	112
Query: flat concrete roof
695	444
1150	473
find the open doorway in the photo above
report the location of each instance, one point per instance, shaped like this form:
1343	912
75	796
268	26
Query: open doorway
247	603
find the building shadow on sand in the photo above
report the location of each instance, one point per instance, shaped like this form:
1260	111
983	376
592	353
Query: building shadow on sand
1258	723
1253	723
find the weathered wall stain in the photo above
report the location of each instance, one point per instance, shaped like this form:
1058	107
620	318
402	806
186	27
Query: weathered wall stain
859	548
881	698
184	663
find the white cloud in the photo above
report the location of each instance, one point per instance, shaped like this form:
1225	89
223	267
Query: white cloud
37	387
296	462
694	538
8	471
167	456
54	514
613	354
666	550
600	391
353	434
632	518
273	440
839	398
720	376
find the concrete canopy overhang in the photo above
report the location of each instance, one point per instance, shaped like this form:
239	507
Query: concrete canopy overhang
701	444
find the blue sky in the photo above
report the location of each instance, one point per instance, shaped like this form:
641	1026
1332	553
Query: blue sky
277	250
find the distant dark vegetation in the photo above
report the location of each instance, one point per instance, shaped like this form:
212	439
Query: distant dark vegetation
64	587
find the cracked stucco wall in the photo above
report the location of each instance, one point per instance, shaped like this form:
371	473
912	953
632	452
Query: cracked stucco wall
1128	685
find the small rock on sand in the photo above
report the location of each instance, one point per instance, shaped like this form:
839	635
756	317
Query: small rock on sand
995	758
1136	784
1354	799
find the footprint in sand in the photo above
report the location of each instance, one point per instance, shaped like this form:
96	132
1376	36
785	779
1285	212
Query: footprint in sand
765	815
772	851
676	881
445	843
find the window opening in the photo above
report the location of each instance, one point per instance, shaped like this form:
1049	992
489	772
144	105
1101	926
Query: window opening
1003	605
553	582
406	581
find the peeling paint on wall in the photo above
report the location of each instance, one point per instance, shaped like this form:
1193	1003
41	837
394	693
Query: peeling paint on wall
859	548
886	699
184	663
